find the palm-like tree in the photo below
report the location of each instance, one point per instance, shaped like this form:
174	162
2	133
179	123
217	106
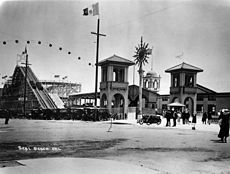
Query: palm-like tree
141	57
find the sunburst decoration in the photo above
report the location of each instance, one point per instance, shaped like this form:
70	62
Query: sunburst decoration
142	53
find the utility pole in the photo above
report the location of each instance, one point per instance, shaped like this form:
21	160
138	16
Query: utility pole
97	53
24	103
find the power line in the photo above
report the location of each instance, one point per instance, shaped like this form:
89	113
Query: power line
141	17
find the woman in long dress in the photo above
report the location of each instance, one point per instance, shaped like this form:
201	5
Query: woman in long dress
224	125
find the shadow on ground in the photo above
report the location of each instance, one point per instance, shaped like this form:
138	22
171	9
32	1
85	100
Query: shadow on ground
216	141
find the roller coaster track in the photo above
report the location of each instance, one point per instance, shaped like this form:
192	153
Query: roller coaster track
40	93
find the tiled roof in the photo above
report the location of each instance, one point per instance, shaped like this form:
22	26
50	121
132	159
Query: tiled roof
184	66
116	59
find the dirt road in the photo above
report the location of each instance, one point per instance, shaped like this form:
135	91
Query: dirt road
161	149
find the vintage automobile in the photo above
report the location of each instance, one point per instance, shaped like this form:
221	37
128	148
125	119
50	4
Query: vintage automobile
150	119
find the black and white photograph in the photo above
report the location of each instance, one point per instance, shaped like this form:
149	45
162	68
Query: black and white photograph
114	86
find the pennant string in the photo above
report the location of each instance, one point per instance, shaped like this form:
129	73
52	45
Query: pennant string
48	44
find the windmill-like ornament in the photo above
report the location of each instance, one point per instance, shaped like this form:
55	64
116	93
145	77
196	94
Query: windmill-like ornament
141	57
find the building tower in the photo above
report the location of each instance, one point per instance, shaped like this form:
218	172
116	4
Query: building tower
152	81
183	87
114	84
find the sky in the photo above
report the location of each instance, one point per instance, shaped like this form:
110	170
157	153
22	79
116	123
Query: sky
196	29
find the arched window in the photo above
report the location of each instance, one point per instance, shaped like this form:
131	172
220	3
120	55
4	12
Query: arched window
118	74
175	80
189	80
104	74
146	84
155	84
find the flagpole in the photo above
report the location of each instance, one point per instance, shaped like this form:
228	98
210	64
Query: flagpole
95	11
17	60
152	59
133	74
97	53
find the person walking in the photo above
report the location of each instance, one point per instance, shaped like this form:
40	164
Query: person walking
224	125
204	118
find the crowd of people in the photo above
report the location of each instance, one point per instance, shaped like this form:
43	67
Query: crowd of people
177	115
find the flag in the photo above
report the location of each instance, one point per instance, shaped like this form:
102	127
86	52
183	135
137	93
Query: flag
21	58
92	10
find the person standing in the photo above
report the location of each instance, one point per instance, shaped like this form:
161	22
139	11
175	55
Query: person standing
168	117
174	116
194	121
183	117
209	117
178	116
204	118
7	116
224	125
187	116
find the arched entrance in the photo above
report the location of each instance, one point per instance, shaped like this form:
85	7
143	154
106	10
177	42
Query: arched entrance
175	99
104	101
118	104
189	104
135	103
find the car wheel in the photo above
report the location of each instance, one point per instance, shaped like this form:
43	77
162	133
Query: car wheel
141	122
